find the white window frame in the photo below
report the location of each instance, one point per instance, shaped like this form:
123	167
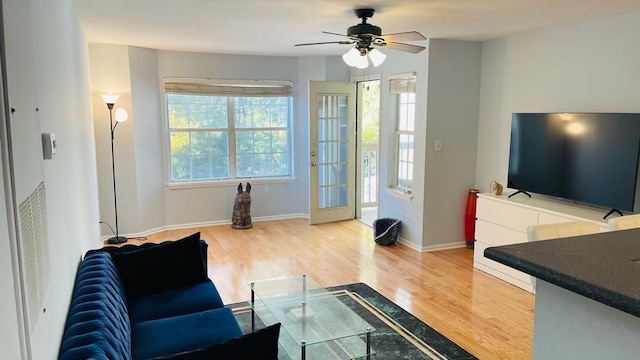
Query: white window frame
230	89
398	85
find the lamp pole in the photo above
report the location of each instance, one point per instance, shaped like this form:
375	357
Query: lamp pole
117	239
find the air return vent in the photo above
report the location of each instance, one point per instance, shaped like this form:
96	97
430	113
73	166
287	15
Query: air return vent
34	252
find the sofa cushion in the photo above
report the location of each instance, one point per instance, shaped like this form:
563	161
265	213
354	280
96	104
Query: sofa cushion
183	333
258	345
168	266
131	247
185	300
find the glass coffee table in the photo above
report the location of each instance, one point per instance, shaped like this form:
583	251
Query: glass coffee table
315	324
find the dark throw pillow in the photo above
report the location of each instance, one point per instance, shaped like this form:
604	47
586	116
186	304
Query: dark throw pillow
167	266
258	345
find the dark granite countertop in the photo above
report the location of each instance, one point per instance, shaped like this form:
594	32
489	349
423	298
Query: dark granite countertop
604	267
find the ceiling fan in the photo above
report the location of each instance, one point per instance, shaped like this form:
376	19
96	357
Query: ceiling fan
367	37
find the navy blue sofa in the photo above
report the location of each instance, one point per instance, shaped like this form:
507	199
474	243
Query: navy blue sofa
155	301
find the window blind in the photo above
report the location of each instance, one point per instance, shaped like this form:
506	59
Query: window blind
402	85
258	89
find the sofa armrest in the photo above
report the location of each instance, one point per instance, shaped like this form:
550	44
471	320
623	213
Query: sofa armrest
97	325
167	266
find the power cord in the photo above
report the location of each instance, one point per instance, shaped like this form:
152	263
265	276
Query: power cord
109	226
129	238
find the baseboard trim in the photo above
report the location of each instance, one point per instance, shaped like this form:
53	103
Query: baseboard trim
205	224
447	246
419	248
410	244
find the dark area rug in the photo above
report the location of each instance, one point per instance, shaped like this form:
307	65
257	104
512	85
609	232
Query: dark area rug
398	334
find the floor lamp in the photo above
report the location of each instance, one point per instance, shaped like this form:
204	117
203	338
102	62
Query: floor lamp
120	115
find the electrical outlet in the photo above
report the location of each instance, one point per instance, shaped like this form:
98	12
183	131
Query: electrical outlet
408	220
438	145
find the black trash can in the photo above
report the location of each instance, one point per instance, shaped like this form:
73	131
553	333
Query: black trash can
386	231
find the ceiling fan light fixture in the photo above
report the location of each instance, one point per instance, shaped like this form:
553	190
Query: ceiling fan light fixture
351	56
366	36
377	57
362	62
356	58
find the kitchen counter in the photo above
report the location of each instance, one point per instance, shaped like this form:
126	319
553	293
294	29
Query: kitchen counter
604	267
587	293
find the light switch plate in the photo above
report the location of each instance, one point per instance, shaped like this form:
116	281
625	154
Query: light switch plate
49	146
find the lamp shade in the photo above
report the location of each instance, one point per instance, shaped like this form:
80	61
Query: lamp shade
351	56
362	62
376	57
355	57
359	58
121	115
110	98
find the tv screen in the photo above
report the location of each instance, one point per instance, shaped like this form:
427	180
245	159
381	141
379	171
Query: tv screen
590	158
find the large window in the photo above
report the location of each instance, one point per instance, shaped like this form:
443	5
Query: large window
220	132
403	89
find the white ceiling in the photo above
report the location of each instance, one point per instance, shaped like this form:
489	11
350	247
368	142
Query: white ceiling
272	27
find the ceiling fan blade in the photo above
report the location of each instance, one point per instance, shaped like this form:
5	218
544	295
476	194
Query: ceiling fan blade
332	33
343	42
414	49
403	36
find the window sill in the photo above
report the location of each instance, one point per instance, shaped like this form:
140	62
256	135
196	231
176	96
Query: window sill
399	193
229	182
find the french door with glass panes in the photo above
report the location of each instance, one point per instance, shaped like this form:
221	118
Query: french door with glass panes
332	114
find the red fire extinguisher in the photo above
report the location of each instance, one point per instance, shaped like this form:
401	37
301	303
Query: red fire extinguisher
470	218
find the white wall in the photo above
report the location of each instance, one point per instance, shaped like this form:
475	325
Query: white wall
581	67
145	203
447	91
388	204
208	204
9	320
452	117
590	66
585	67
110	73
148	136
21	136
72	203
59	89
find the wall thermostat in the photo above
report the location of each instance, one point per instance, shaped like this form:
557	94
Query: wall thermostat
49	146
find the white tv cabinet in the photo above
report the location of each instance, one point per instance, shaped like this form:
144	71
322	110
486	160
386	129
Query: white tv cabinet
503	221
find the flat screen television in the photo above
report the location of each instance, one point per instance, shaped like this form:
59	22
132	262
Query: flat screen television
590	158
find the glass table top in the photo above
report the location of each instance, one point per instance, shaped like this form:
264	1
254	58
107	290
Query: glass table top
309	314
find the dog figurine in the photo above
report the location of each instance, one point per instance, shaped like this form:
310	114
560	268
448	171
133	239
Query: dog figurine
241	218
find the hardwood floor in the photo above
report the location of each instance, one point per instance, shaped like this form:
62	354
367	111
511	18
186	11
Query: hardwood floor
488	317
